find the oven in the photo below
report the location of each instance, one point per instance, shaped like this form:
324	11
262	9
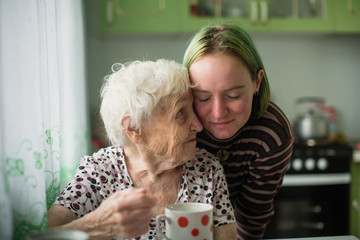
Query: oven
314	199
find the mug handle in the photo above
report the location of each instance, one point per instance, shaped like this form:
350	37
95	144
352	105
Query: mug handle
158	223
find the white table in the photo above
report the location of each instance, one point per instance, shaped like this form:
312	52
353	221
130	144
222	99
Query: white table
323	238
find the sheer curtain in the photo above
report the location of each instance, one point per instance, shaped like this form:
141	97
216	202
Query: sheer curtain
43	118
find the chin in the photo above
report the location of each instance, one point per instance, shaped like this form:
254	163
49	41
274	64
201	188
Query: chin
191	154
222	134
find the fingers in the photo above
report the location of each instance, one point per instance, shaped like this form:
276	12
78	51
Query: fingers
132	199
126	213
131	230
134	212
137	216
132	223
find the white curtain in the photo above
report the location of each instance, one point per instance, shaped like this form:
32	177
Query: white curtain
43	118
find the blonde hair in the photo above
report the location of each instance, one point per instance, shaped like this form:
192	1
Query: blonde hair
233	40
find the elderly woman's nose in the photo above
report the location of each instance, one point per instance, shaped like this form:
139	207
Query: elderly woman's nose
195	124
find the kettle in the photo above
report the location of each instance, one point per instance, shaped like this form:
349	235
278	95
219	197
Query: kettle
311	124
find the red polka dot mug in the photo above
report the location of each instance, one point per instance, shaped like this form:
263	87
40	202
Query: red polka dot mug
187	221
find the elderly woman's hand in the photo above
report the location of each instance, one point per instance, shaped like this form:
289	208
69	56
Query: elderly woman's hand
125	214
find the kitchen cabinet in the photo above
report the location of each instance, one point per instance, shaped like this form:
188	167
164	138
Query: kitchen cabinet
139	16
347	15
265	15
355	196
174	16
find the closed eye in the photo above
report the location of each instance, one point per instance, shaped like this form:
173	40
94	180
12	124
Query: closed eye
233	96
181	116
180	113
203	99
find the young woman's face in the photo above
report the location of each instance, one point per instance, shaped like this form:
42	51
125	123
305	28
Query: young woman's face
223	94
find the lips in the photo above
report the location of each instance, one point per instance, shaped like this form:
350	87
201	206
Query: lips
191	140
222	124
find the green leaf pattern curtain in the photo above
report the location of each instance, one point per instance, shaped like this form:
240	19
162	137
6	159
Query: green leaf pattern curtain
43	117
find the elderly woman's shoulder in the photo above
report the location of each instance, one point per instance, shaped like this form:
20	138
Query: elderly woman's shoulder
205	159
203	153
112	153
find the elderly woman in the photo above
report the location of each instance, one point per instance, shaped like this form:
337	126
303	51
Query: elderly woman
147	111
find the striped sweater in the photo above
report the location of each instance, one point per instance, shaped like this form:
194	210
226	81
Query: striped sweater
255	160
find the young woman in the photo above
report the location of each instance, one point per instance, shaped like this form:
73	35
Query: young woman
249	133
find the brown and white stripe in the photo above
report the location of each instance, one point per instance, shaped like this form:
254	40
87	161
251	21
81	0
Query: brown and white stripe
257	157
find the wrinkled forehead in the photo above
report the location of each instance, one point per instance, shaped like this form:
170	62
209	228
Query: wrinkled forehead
171	101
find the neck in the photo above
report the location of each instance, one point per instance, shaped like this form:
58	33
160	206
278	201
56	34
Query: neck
139	161
158	175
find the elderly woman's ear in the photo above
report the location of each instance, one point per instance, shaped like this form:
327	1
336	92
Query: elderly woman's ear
133	134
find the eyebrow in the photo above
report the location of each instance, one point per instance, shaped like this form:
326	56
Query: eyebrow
227	90
180	100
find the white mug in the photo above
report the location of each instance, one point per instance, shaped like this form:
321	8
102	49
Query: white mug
187	221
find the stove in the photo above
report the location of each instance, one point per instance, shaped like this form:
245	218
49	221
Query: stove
319	165
314	199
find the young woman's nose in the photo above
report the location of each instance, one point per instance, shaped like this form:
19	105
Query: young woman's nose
218	109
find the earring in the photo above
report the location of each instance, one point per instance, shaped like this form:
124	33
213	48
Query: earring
256	93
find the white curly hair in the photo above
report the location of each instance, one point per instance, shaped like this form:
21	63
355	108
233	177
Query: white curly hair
135	89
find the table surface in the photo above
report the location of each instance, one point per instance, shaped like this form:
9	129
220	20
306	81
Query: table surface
323	238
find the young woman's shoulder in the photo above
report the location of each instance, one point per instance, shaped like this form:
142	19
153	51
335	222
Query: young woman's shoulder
274	113
272	131
273	127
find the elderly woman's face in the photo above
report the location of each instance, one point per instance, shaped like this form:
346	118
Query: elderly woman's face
172	133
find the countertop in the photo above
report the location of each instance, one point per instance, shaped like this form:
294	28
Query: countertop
322	238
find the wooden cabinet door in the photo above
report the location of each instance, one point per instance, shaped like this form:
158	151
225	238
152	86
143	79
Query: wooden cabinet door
347	14
265	15
139	16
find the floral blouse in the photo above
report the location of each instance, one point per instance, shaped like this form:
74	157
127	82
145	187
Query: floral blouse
105	172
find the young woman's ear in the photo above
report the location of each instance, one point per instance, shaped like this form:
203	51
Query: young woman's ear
259	77
133	134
